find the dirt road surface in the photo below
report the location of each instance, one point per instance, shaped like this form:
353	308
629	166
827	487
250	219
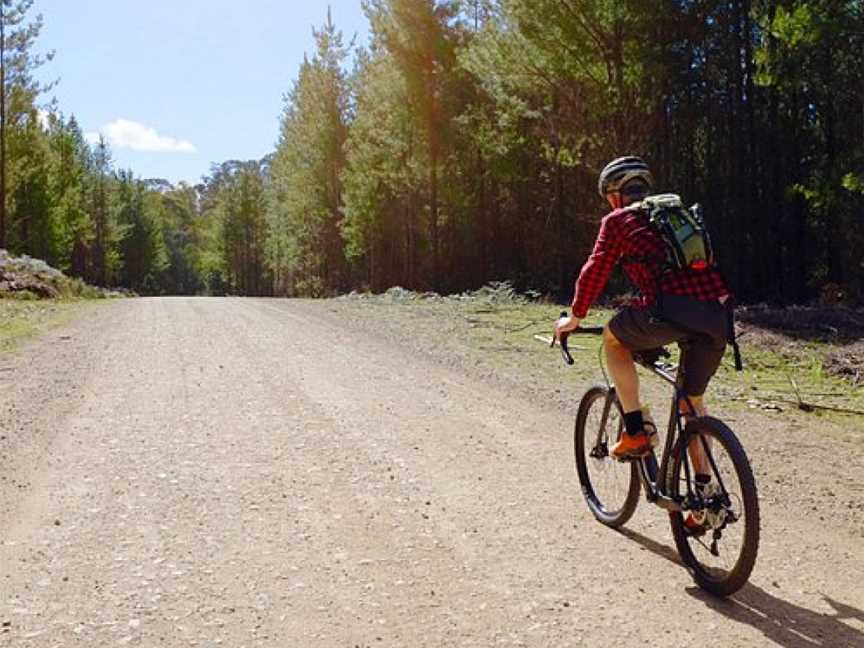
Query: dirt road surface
227	472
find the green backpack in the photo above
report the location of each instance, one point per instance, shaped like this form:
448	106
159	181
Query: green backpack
688	246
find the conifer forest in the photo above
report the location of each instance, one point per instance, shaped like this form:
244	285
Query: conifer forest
461	144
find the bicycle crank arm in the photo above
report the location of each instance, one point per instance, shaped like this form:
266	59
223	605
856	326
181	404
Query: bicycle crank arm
667	503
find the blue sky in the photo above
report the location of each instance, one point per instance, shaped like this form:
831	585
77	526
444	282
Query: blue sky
191	81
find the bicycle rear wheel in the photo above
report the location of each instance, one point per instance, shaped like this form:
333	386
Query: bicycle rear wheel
610	487
720	549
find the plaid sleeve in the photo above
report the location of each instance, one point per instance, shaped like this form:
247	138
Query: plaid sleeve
595	273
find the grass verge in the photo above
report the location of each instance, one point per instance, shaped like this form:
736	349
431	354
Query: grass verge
23	320
782	374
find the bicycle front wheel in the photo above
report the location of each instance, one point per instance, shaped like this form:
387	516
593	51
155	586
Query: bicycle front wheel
610	487
720	543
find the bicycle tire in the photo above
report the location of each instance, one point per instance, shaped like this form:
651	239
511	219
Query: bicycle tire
720	582
594	400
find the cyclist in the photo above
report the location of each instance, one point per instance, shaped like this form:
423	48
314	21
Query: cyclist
686	306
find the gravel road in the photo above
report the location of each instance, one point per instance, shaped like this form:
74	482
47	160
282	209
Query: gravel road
239	472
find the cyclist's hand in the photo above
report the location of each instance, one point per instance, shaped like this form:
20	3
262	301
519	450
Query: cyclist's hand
564	326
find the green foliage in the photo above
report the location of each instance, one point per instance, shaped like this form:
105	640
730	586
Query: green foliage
30	201
796	26
18	117
383	178
233	232
305	251
74	224
809	61
142	246
853	183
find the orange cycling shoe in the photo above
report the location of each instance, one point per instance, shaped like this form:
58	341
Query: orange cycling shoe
631	446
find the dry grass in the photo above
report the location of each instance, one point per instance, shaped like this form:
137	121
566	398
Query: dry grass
21	320
795	359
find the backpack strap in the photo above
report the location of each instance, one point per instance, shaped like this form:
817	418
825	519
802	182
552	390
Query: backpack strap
731	336
660	261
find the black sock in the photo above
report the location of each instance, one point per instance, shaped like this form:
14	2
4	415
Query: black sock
634	422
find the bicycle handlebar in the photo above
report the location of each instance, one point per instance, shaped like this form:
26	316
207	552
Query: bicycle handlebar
582	330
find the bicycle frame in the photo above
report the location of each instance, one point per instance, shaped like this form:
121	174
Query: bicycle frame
652	476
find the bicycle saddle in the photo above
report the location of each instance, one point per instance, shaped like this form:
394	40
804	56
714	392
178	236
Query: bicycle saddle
650	356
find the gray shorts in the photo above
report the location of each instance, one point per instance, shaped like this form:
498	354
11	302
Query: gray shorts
698	327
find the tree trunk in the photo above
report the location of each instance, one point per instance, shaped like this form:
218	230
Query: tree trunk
433	209
800	238
563	274
2	126
483	220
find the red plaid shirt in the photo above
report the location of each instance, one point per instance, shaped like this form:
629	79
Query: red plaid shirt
627	233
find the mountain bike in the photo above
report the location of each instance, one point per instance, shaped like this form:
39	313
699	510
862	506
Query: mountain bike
719	542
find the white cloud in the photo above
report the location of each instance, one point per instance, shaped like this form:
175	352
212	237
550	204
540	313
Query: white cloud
125	133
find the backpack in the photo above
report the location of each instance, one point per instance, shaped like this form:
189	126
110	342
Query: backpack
688	246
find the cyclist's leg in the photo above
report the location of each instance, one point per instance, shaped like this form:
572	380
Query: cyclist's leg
703	357
619	360
697	452
701	362
633	329
698	403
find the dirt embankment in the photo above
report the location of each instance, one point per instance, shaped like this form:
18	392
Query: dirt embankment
27	278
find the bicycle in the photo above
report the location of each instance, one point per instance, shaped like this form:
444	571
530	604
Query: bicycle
720	509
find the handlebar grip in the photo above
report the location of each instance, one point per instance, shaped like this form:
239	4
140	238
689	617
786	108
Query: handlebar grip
562	339
593	330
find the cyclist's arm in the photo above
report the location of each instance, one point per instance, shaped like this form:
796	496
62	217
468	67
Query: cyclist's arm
595	273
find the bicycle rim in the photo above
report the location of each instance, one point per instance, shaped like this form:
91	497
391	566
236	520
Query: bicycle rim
722	557
610	487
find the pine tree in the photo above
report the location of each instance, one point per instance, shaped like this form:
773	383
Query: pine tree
384	220
104	262
142	246
233	244
72	165
418	36
18	89
306	251
31	227
182	239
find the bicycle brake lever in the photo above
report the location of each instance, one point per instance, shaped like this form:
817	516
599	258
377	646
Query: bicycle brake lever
565	352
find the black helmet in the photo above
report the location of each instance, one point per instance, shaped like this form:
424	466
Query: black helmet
621	171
